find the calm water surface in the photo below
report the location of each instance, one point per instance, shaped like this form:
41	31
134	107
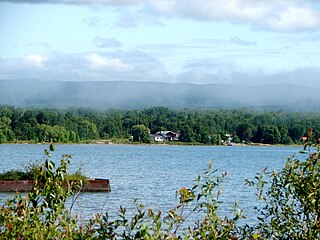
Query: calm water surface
152	174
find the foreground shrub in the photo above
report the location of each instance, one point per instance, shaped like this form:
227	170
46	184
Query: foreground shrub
290	199
200	202
41	214
289	209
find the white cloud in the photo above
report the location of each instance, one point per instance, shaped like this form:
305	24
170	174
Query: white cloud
76	2
97	61
276	15
164	6
104	66
139	66
35	60
220	10
295	19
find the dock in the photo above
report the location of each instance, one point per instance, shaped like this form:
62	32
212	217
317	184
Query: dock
90	185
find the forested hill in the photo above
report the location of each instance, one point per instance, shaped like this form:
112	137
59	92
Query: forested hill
138	95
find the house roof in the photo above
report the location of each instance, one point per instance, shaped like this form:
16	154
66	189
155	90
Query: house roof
166	133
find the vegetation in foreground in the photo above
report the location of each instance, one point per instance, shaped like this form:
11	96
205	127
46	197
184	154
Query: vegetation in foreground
193	126
32	171
290	203
30	174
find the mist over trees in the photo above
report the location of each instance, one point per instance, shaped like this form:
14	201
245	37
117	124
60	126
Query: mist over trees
138	95
194	126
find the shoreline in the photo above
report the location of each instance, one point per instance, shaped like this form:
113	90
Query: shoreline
108	142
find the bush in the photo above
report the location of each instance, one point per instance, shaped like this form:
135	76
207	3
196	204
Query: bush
291	199
141	133
290	209
15	175
201	202
33	170
42	213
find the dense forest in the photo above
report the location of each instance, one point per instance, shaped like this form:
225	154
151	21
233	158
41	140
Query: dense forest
194	126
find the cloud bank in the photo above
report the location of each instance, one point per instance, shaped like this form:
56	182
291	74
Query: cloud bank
102	66
139	66
275	15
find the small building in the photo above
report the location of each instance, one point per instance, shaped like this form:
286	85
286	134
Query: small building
165	136
168	135
157	138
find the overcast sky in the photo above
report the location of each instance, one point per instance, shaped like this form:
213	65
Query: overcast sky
194	41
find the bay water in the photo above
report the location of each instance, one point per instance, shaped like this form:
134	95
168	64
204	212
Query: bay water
152	173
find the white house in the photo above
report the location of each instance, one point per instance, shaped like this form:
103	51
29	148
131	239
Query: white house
165	136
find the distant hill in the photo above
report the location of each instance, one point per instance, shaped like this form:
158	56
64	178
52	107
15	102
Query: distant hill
137	95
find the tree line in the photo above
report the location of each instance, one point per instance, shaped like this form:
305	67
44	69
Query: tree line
205	126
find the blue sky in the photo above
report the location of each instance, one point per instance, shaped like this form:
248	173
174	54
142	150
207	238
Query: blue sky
193	41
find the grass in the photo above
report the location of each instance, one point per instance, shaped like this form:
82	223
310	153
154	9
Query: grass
14	175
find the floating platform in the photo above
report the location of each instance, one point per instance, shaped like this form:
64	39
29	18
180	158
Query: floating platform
90	185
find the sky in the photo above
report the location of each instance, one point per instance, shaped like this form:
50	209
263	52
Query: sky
190	41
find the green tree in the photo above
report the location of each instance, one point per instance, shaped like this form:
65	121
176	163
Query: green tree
245	131
186	134
25	131
271	134
72	136
236	139
110	129
6	132
87	130
285	138
219	140
214	139
43	132
204	137
268	134
58	133
29	116
296	131
3	138
141	133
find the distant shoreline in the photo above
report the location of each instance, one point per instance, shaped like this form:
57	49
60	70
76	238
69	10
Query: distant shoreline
108	142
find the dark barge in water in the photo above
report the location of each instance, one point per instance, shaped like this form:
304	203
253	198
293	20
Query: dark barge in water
90	185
